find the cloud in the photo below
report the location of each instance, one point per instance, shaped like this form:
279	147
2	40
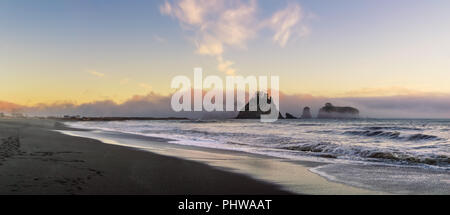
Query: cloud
385	91
436	105
95	73
225	66
404	106
209	46
222	24
8	106
285	24
149	105
188	11
432	105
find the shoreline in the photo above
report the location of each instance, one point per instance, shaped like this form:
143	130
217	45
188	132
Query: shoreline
305	176
37	160
39	156
294	176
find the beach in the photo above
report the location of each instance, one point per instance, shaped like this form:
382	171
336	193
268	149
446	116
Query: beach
315	156
37	158
42	161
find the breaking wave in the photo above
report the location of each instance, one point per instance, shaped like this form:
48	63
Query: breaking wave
392	128
338	151
422	137
394	135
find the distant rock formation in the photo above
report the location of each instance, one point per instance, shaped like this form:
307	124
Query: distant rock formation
247	114
330	111
290	116
306	113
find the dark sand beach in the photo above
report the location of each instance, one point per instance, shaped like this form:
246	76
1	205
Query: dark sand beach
35	159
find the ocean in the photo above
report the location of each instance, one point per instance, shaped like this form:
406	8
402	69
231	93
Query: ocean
406	142
410	152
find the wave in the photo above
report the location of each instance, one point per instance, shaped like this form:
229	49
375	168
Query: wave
199	121
308	124
388	134
422	137
338	151
394	135
395	128
402	157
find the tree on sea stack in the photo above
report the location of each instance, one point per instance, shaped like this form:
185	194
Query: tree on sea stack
329	111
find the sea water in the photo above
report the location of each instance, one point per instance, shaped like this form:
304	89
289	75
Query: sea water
389	153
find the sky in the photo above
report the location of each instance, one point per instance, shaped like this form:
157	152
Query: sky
64	52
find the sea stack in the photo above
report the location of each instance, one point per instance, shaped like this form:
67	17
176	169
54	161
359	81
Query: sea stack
247	114
290	116
306	113
333	112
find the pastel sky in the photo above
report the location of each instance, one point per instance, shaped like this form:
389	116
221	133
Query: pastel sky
54	51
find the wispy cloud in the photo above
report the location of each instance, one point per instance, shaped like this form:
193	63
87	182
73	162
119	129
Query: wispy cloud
95	73
220	24
285	24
